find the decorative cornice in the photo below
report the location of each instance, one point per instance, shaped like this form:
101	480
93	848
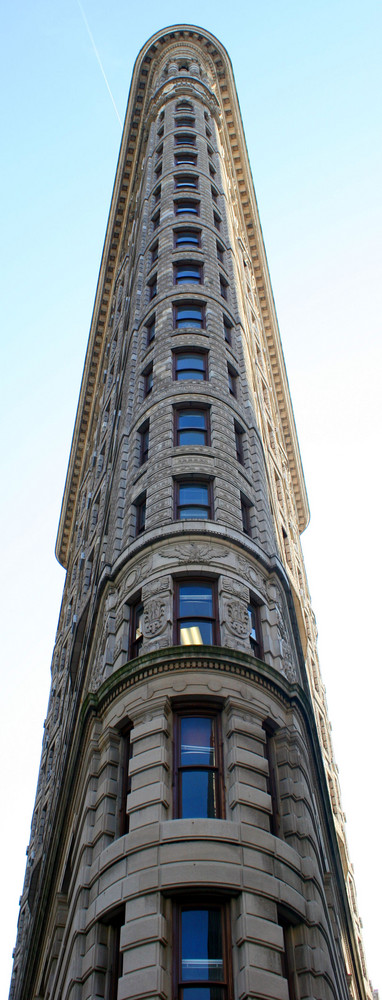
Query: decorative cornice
120	219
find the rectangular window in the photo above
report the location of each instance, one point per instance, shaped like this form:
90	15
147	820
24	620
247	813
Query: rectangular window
246	508
187	272
187	238
195	616
223	287
188	314
154	252
191	426
202	951
220	252
140	513
227	329
217	221
150	328
156	220
186	181
190	365
185	158
136	628
157	195
193	499
153	287
124	778
143	442
148	380
270	728
198	769
255	630
186	207
214	193
232	381
239	443
184	139
115	955
184	121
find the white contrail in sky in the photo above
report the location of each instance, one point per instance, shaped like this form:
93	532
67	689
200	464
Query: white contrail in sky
98	59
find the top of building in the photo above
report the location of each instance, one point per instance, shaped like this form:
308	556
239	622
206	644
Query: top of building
153	73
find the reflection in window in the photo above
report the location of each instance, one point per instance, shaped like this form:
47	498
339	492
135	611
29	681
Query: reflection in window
188	314
136	628
196	623
193	499
187	237
190	365
201	952
188	272
255	630
191	426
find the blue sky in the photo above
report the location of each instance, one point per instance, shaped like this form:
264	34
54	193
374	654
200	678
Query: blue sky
308	76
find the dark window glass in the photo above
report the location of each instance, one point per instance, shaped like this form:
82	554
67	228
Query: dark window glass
136	628
140	514
214	193
246	516
188	314
184	139
187	272
186	158
193	499
255	630
158	170
186	207
217	221
202	952
220	252
185	121
156	220
227	329
191	426
150	327
239	436
154	253
184	105
223	287
157	194
232	381
143	443
186	181
115	954
190	364
160	151
125	779
153	287
148	377
196	613
187	237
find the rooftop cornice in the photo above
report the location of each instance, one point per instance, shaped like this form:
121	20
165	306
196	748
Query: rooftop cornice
133	135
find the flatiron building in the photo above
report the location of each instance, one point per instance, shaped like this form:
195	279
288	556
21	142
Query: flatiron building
187	839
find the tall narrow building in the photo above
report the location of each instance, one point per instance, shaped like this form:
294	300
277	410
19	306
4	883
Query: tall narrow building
187	840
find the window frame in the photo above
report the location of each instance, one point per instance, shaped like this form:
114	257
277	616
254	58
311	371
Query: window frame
135	644
233	380
187	229
186	206
246	507
185	138
184	120
199	581
148	379
150	329
185	264
208	900
239	442
227	327
185	159
256	645
189	304
204	706
182	181
144	442
197	408
194	481
140	513
193	352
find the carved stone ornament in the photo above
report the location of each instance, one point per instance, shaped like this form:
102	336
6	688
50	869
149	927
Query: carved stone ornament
193	552
237	618
253	576
139	572
154	617
156	587
230	586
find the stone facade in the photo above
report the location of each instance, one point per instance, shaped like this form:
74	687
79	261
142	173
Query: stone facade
185	598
